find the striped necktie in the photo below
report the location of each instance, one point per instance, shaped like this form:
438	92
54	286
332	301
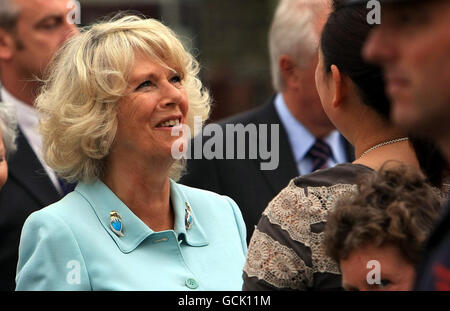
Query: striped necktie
319	153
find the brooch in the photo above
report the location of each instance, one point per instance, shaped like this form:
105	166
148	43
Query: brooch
188	217
116	223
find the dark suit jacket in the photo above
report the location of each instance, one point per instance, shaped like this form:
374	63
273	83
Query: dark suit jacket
28	189
243	180
434	268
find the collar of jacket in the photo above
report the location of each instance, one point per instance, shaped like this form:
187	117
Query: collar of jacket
135	231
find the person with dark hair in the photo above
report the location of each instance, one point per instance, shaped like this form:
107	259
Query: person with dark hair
286	250
388	220
369	83
412	45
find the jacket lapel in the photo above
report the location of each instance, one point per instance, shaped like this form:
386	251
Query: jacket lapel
25	168
287	169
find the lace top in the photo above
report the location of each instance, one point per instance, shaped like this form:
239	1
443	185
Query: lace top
286	251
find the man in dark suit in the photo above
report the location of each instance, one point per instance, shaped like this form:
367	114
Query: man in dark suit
306	140
31	31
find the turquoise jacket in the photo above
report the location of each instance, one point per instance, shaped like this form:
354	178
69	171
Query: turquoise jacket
71	245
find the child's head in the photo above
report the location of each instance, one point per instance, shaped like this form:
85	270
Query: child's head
380	230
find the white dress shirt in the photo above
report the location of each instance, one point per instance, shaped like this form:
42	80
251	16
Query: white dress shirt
301	140
28	121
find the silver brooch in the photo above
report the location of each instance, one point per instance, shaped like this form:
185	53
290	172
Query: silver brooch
188	217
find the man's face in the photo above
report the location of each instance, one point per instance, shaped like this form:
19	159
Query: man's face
412	44
42	27
308	91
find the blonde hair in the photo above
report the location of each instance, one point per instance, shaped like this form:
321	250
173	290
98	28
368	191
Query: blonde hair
87	78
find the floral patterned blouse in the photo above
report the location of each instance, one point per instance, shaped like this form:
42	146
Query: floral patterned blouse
286	250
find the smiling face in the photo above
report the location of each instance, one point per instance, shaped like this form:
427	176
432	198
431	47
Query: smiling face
396	274
412	44
156	102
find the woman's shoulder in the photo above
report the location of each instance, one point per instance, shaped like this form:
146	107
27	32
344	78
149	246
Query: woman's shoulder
346	173
320	186
65	213
64	207
45	233
309	198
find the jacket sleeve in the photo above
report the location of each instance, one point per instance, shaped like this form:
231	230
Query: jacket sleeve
275	261
240	223
49	256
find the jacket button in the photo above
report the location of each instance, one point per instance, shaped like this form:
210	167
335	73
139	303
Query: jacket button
191	283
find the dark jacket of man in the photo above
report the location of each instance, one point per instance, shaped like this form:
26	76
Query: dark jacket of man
27	189
434	271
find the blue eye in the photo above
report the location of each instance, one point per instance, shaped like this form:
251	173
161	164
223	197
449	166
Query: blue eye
176	79
144	84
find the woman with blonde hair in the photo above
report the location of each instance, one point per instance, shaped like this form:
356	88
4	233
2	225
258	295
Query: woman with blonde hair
114	98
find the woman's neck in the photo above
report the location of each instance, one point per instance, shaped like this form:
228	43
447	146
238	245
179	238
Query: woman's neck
144	190
400	151
372	132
